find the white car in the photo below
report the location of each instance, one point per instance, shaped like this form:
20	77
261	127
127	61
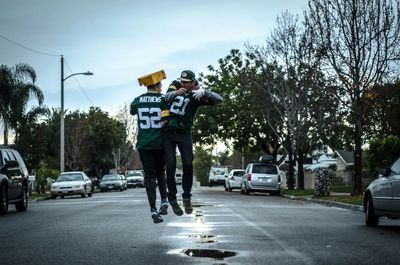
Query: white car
234	179
382	196
71	183
217	175
124	182
135	179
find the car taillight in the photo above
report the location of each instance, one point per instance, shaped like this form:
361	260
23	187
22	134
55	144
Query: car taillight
232	178
248	177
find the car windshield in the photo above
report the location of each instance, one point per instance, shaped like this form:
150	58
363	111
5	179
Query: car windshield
69	177
265	169
137	174
219	172
396	167
111	177
238	173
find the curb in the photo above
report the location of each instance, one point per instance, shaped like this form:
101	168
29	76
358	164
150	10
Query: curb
39	199
342	205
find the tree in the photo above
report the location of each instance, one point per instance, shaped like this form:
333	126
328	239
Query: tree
292	87
126	150
238	120
30	138
77	144
17	85
105	135
382	110
201	164
359	41
383	151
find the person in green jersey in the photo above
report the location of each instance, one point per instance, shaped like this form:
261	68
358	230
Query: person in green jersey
183	97
147	107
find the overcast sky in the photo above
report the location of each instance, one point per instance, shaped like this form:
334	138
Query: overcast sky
122	40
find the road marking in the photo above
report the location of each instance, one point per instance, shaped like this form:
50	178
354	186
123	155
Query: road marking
294	253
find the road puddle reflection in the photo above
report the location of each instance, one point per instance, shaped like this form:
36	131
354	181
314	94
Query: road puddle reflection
203	238
209	253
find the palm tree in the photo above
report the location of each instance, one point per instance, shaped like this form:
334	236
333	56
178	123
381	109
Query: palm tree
17	86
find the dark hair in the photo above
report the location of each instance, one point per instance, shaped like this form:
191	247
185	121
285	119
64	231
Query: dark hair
154	86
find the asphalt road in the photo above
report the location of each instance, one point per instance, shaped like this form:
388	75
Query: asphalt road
225	228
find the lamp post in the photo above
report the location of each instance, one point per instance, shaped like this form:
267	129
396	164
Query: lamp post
62	111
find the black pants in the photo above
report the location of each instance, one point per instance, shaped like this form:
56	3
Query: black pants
153	166
183	141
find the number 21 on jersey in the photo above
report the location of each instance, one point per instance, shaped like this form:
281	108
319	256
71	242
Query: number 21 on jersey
179	105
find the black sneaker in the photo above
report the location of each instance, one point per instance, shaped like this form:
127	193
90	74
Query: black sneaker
163	208
176	208
156	217
188	205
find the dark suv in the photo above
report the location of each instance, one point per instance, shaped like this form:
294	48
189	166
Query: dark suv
13	180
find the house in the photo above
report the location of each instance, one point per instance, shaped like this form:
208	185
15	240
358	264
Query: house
344	159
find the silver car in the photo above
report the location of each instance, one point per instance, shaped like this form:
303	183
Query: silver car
262	177
382	196
71	183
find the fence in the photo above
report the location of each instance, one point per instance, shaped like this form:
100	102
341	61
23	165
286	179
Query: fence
340	180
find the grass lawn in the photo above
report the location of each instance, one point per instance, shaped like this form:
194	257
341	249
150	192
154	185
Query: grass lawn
298	192
355	200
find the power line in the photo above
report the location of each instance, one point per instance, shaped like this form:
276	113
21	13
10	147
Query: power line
47	54
76	80
27	48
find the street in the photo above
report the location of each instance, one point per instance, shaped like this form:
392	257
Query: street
225	228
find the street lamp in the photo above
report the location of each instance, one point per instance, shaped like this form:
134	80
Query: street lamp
62	111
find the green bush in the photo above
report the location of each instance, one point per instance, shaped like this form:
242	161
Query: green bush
382	152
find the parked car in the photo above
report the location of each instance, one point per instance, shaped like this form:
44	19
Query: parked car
71	183
382	196
13	180
263	176
111	182
135	179
217	175
124	182
234	179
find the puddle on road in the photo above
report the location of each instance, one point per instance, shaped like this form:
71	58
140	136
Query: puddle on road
203	238
209	253
195	205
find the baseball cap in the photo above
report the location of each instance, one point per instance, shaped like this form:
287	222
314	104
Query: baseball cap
187	76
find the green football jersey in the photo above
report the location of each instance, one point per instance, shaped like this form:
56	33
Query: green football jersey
148	109
182	111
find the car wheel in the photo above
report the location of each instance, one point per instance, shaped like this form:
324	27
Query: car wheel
230	189
209	184
241	189
22	205
62	196
370	218
83	195
3	199
226	188
246	190
54	197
